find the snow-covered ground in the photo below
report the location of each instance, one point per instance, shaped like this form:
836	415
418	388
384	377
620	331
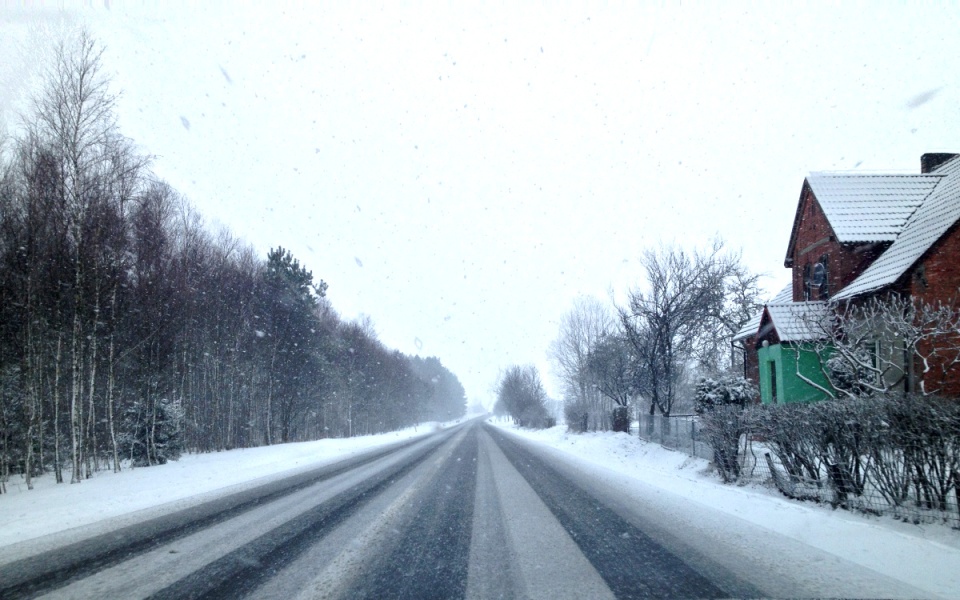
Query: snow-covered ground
924	556
114	498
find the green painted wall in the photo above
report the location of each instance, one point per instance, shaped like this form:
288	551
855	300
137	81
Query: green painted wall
783	359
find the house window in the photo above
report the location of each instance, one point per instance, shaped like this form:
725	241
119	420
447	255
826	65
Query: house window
807	293
921	276
773	381
820	278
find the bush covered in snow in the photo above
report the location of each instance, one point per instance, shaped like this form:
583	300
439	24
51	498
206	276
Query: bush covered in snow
152	439
720	403
723	391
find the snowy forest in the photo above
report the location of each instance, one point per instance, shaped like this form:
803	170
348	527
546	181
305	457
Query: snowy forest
129	331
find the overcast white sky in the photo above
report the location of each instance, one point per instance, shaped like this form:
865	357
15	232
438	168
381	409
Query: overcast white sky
460	174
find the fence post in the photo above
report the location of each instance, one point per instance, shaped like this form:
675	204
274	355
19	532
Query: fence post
693	436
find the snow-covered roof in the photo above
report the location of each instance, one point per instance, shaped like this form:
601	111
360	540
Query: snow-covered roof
794	321
926	225
870	207
798	321
912	211
750	328
784	296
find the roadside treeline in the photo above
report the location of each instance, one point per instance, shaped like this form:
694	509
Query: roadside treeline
520	394
129	331
676	325
613	361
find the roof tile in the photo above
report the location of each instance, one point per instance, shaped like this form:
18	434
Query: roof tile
925	226
870	207
798	321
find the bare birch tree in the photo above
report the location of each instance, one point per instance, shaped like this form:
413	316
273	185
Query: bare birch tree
75	117
581	329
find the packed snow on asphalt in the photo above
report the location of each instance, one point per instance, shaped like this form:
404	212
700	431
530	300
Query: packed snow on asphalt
922	556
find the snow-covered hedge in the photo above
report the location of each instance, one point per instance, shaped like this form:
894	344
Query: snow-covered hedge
885	452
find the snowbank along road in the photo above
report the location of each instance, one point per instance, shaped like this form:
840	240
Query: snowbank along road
466	512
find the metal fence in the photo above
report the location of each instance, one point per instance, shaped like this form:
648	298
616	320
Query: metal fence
679	432
881	487
758	463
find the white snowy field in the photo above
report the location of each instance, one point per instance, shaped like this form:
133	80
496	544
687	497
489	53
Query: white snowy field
924	556
113	498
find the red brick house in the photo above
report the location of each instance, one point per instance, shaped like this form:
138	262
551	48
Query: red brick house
857	235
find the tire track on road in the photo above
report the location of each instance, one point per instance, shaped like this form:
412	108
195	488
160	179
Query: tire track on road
431	558
240	571
630	562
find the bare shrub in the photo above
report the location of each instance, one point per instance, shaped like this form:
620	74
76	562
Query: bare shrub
885	451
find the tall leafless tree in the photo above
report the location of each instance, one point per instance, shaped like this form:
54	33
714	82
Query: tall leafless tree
522	395
675	313
742	299
75	118
581	329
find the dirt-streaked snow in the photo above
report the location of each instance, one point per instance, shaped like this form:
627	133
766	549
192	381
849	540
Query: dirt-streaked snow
924	556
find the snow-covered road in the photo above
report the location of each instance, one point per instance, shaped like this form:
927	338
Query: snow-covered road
767	531
469	511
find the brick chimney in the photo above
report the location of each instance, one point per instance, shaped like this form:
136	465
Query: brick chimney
931	160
